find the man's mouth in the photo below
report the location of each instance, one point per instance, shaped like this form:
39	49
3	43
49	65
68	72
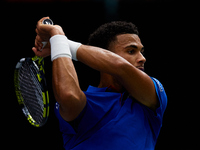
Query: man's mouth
141	68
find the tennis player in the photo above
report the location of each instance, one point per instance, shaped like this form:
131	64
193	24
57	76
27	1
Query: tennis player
125	111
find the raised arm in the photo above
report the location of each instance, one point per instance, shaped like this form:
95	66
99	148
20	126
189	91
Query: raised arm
65	82
136	82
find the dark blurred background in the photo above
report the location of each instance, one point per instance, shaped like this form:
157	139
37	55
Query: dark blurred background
167	30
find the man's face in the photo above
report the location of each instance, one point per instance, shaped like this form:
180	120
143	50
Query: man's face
129	47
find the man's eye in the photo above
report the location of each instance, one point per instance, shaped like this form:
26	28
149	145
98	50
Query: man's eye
131	52
142	52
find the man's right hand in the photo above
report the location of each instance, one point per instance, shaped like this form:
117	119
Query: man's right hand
44	33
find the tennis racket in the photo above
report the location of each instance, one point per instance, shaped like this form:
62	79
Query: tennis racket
31	88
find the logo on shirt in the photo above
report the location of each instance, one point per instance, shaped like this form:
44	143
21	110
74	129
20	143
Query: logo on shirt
57	106
159	85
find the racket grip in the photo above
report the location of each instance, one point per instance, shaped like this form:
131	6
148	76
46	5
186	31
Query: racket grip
48	22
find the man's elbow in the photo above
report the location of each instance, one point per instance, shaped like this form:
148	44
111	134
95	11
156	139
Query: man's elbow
71	104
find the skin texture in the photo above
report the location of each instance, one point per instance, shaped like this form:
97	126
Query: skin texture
121	67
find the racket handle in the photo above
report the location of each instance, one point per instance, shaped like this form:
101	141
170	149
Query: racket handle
49	22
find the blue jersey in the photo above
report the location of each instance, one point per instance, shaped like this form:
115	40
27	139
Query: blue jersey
111	122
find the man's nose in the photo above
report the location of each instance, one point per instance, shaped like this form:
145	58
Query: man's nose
141	58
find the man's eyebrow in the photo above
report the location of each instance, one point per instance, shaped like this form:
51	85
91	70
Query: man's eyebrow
131	46
134	46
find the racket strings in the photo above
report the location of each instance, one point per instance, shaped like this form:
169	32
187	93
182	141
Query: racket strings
31	91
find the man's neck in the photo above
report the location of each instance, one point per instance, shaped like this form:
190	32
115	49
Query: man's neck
107	80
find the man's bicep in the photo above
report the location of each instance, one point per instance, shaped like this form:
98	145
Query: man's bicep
139	85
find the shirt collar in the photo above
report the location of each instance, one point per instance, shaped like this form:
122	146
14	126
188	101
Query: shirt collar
96	89
105	89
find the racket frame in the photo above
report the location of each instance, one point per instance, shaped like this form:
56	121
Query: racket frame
42	81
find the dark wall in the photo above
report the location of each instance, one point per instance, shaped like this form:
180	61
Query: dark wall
166	32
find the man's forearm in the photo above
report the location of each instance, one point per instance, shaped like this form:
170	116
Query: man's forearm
66	88
100	59
64	76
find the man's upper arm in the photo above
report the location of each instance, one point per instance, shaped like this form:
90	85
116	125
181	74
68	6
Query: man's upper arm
139	85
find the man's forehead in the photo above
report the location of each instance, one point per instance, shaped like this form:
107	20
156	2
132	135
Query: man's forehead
128	38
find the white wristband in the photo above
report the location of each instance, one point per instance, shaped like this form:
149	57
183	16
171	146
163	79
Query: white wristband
73	48
59	47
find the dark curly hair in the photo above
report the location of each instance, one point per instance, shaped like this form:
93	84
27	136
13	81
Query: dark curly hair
108	32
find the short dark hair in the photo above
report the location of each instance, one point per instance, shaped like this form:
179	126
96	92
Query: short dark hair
107	33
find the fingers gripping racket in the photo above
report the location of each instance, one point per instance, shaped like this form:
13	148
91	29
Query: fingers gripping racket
31	88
